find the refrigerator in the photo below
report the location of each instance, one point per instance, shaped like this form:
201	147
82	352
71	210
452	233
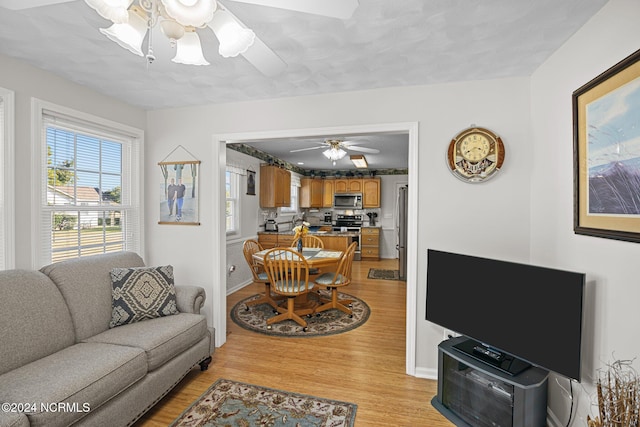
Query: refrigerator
403	194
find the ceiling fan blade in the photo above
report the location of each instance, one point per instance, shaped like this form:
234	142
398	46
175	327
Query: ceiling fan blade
341	9
259	54
306	149
28	4
264	59
362	149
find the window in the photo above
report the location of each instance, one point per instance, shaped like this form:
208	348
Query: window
295	185
232	211
90	194
6	179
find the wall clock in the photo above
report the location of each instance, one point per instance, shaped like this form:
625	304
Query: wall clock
475	154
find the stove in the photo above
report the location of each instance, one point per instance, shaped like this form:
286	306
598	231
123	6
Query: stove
350	221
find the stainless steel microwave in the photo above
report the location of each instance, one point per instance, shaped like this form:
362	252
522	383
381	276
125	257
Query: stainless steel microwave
347	200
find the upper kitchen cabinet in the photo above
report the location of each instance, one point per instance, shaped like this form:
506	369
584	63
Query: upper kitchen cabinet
311	193
371	193
327	192
348	185
275	187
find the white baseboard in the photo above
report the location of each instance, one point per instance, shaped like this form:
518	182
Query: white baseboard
427	373
238	287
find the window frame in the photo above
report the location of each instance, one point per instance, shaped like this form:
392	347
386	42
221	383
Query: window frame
7	182
235	184
134	173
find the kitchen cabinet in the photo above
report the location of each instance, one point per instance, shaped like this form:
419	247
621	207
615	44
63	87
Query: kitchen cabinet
268	241
371	193
275	240
346	185
327	193
311	193
370	243
338	243
285	240
275	187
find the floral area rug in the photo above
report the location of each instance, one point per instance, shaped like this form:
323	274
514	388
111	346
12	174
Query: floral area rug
231	403
325	323
376	273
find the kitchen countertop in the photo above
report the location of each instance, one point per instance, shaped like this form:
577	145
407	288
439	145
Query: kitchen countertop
316	233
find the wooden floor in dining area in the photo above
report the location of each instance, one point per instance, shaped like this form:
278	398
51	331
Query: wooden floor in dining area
365	366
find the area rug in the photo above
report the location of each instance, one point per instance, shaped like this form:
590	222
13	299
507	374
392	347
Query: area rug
376	273
325	323
232	403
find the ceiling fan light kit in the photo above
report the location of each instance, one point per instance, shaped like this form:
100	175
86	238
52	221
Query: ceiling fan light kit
179	20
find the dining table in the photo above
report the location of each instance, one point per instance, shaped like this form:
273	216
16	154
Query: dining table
316	258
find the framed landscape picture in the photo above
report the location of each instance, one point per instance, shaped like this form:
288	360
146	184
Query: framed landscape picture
178	204
606	126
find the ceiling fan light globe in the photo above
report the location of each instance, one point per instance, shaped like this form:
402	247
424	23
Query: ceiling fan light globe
113	10
195	13
172	29
334	153
129	35
233	38
189	50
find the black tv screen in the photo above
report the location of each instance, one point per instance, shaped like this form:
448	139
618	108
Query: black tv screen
530	312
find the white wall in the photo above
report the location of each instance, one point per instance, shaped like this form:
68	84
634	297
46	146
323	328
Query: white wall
449	211
249	219
612	316
27	82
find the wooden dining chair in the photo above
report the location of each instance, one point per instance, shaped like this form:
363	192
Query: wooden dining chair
249	248
288	272
310	241
338	279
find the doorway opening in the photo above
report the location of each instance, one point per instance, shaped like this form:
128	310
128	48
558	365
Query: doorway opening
219	164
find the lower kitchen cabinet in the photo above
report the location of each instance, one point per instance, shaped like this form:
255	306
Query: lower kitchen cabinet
370	243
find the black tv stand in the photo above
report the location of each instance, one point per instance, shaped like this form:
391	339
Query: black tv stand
472	392
502	361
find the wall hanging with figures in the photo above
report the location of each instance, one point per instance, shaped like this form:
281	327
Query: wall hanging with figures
178	204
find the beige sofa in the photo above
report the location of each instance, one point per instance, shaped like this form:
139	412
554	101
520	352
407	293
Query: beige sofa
61	364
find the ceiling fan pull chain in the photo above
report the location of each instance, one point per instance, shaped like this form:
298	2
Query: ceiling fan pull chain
152	20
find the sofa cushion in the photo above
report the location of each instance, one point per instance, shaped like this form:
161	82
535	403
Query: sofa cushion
142	293
85	284
83	377
162	339
34	319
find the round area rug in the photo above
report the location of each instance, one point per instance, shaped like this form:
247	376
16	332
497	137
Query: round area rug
328	322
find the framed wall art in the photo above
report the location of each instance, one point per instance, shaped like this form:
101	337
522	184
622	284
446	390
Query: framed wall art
606	128
178	204
251	182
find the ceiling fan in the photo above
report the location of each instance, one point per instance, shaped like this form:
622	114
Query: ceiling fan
337	144
335	149
180	21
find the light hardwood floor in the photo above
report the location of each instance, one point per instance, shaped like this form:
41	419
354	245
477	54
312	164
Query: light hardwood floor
365	366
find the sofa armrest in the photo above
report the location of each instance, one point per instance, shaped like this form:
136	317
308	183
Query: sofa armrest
190	299
13	419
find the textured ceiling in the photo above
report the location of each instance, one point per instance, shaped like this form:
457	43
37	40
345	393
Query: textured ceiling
385	44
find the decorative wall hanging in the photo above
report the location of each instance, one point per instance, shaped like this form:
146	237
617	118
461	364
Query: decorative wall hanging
251	182
179	190
606	162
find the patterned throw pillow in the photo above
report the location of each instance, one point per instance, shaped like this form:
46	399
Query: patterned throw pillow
142	293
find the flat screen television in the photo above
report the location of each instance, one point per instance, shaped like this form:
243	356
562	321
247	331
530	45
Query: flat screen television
513	314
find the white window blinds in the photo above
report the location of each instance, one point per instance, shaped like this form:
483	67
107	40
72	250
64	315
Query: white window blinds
91	188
